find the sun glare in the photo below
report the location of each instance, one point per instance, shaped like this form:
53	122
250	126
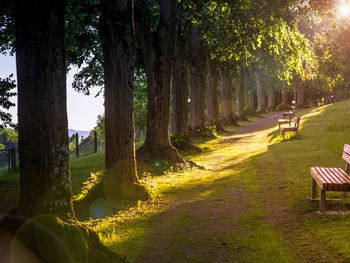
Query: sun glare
344	10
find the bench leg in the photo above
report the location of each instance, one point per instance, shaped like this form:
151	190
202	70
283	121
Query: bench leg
313	189
323	201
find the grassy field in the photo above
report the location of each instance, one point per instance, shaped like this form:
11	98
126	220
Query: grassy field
249	204
256	189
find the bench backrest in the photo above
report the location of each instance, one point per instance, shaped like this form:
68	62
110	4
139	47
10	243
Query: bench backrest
346	157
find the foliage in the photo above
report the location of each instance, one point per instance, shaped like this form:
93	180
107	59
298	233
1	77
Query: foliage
333	52
83	44
100	126
6	86
8	135
7	46
264	35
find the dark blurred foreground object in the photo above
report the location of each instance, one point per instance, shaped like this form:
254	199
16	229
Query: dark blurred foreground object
48	238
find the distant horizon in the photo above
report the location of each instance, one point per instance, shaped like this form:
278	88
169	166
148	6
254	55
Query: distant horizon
82	110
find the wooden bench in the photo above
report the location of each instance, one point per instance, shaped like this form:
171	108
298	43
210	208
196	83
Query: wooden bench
288	115
283	121
331	179
291	128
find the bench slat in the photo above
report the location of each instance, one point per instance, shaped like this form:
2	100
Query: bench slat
345	177
326	178
345	186
318	179
290	128
337	184
346	153
331	179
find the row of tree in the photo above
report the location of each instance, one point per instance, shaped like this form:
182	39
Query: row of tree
193	56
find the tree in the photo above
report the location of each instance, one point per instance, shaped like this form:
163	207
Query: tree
198	83
239	94
249	90
226	97
271	98
213	98
117	42
42	115
157	48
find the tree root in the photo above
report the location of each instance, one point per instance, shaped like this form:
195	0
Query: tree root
48	238
184	142
168	153
202	132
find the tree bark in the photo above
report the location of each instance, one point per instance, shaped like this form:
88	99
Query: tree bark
226	97
212	97
301	96
260	93
157	51
271	93
198	83
121	180
45	184
239	95
179	91
284	104
250	91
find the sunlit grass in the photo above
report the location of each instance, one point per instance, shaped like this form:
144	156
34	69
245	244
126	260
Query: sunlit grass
249	166
265	178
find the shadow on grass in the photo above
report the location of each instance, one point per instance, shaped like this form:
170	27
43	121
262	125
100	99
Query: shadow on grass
267	189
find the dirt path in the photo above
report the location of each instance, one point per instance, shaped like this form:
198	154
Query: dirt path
196	228
235	218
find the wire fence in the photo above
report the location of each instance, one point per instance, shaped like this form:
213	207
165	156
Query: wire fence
8	160
81	147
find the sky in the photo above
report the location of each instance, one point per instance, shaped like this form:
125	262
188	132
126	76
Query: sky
82	109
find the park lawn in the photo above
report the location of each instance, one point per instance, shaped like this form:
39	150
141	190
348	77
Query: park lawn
274	221
252	198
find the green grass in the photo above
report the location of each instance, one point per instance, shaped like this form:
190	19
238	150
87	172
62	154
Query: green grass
249	204
282	224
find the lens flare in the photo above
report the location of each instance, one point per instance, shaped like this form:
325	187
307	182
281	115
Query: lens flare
344	10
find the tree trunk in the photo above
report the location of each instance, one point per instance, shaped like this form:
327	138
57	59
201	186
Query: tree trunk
284	104
301	96
271	93
157	51
250	91
213	100
120	161
180	93
198	84
260	93
226	97
45	184
239	95
285	97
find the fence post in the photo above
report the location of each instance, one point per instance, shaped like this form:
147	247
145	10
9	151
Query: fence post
9	160
77	145
95	141
13	160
